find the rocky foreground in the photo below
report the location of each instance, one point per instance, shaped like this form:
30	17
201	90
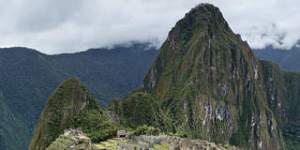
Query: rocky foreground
77	140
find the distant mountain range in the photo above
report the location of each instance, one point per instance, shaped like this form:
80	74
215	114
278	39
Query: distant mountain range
27	78
287	59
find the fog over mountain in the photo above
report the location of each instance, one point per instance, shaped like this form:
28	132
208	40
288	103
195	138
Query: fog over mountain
55	26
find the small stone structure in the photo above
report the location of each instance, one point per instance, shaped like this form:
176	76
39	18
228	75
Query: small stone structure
122	134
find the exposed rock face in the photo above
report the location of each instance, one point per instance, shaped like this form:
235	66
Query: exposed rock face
207	82
69	100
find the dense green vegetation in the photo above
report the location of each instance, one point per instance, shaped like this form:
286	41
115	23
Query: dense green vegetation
28	78
10	125
283	90
71	106
291	129
143	110
146	130
97	125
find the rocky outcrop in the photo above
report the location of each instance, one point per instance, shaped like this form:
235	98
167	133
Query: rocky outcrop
176	143
161	142
72	139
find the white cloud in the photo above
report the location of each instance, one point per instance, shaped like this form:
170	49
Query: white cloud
56	26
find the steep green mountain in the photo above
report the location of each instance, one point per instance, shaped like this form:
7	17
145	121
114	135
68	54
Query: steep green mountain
287	89
287	59
283	90
70	106
291	129
28	77
207	83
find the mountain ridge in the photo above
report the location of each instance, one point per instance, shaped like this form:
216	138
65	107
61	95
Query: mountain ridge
28	77
286	59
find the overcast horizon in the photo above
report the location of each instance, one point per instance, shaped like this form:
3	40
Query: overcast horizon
66	26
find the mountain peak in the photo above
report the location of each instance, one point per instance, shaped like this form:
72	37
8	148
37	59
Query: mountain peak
204	22
205	7
209	12
204	67
69	100
204	17
71	80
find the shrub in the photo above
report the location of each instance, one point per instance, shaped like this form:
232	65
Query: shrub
146	130
181	134
96	125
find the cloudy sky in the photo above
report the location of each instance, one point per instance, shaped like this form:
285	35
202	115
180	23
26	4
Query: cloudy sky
59	26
